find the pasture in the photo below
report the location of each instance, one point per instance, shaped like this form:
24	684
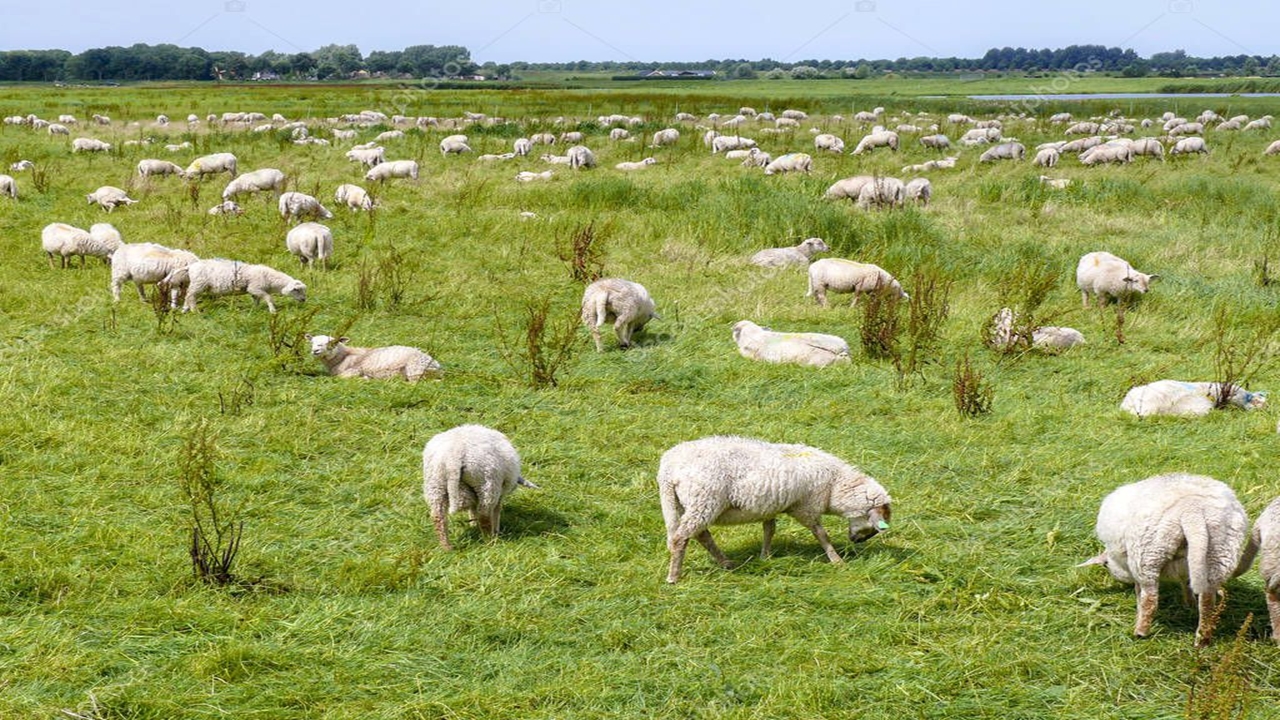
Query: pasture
969	607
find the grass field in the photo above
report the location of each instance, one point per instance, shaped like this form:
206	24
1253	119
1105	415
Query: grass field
970	607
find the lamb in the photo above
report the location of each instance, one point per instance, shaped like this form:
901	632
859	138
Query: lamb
801	254
580	156
367	156
231	277
89	145
1108	277
725	480
919	190
880	192
666	136
149	167
470	467
1004	151
809	349
255	181
1003	335
827	141
393	361
1266	539
849	187
64	240
791	162
936	142
108	197
1187	399
311	242
142	263
8	187
1188	528
354	196
1048	157
627	304
1189	145
393	169
226	207
847	276
640	165
886	138
527	176
296	206
212	165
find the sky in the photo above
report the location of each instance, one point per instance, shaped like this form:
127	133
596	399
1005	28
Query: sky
505	31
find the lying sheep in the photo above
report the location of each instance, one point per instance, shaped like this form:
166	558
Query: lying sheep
1055	183
944	163
108	197
1004	151
527	176
470	467
212	165
226	207
846	276
722	143
311	242
65	241
619	134
829	142
149	167
918	190
298	206
1273	148
1266	539
220	277
798	255
8	187
1003	334
632	166
393	361
353	196
146	263
809	349
1186	399
791	162
256	181
89	145
1108	277
22	165
722	480
393	169
1188	528
580	156
624	303
886	138
572	136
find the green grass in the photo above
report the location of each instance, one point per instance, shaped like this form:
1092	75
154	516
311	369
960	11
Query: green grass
970	607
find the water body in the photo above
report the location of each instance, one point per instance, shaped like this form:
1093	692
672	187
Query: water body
1117	96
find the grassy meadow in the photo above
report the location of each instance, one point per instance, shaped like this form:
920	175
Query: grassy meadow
969	607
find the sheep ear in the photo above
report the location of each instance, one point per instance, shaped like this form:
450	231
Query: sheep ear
1153	277
1099	559
344	338
307	336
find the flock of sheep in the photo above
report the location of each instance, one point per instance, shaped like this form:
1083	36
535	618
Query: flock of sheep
1183	527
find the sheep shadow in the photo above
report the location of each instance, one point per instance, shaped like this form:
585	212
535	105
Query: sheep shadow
1177	617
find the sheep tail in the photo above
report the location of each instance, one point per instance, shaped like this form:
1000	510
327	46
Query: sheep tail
452	468
521	480
1196	531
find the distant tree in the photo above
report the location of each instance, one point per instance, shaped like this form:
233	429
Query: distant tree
743	71
1135	69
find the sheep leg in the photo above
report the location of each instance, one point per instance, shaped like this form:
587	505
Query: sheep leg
1273	610
1084	299
677	546
766	548
1208	619
142	294
623	331
595	335
825	541
1148	600
709	543
440	518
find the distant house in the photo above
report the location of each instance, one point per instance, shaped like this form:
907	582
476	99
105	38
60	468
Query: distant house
265	75
678	73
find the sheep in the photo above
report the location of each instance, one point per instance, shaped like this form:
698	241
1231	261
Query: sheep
1079	145
542	139
1107	153
22	165
919	190
1048	157
791	162
936	142
846	276
666	136
1272	149
1003	335
1186	129
101	240
801	254
948	162
226	207
1188	528
255	181
809	349
1055	183
756	157
639	165
1083	127
1265	538
389	135
1189	145
469	467
619	134
149	167
521	146
627	304
827	141
58	129
212	165
354	196
1108	277
89	145
1187	399
1004	151
726	480
142	263
393	169
108	197
368	156
454	145
311	242
8	187
882	191
296	206
572	136
231	277
886	138
849	187
1258	124
1148	146
527	176
722	143
555	159
580	156
184	145
394	361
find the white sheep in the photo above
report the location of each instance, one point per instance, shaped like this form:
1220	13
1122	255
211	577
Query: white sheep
454	145
580	156
666	136
542	139
722	143
1107	153
256	181
8	187
226	207
1108	277
311	242
389	135
1003	334
1186	399
219	277
149	167
58	129
619	134
1189	145
89	145
947	162
980	136
936	142
1272	149
108	197
470	467
882	192
22	165
1004	151
1055	183
1265	539
1047	157
846	276
797	255
392	361
297	206
918	190
756	157
632	166
1187	528
791	162
367	156
849	187
65	241
624	303
884	138
393	169
353	196
146	263
555	159
810	349
1084	127
572	136
212	165
827	141
723	480
1148	146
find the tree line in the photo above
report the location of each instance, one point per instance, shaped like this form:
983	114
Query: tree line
170	62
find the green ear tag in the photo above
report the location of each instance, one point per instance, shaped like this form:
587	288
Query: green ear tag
882	525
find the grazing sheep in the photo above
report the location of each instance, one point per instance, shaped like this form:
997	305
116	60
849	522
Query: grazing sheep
542	139
846	276
353	196
368	156
580	156
226	207
58	129
297	206
1186	399
797	255
640	165
311	242
108	197
810	349
886	138
393	169
22	165
8	187
627	304
393	361
149	167
1259	124
791	162
470	467
1187	528
1079	145
64	240
723	480
1272	149
936	142
255	181
1083	127
1148	146
1189	145
1107	153
89	145
1004	151
980	136
666	136
1108	277
212	165
1265	538
1194	128
572	136
827	141
454	145
389	135
918	190
1048	157
527	176
146	263
756	157
521	146
619	134
722	143
849	187
882	192
219	277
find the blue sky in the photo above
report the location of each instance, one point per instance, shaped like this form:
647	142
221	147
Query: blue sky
566	30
